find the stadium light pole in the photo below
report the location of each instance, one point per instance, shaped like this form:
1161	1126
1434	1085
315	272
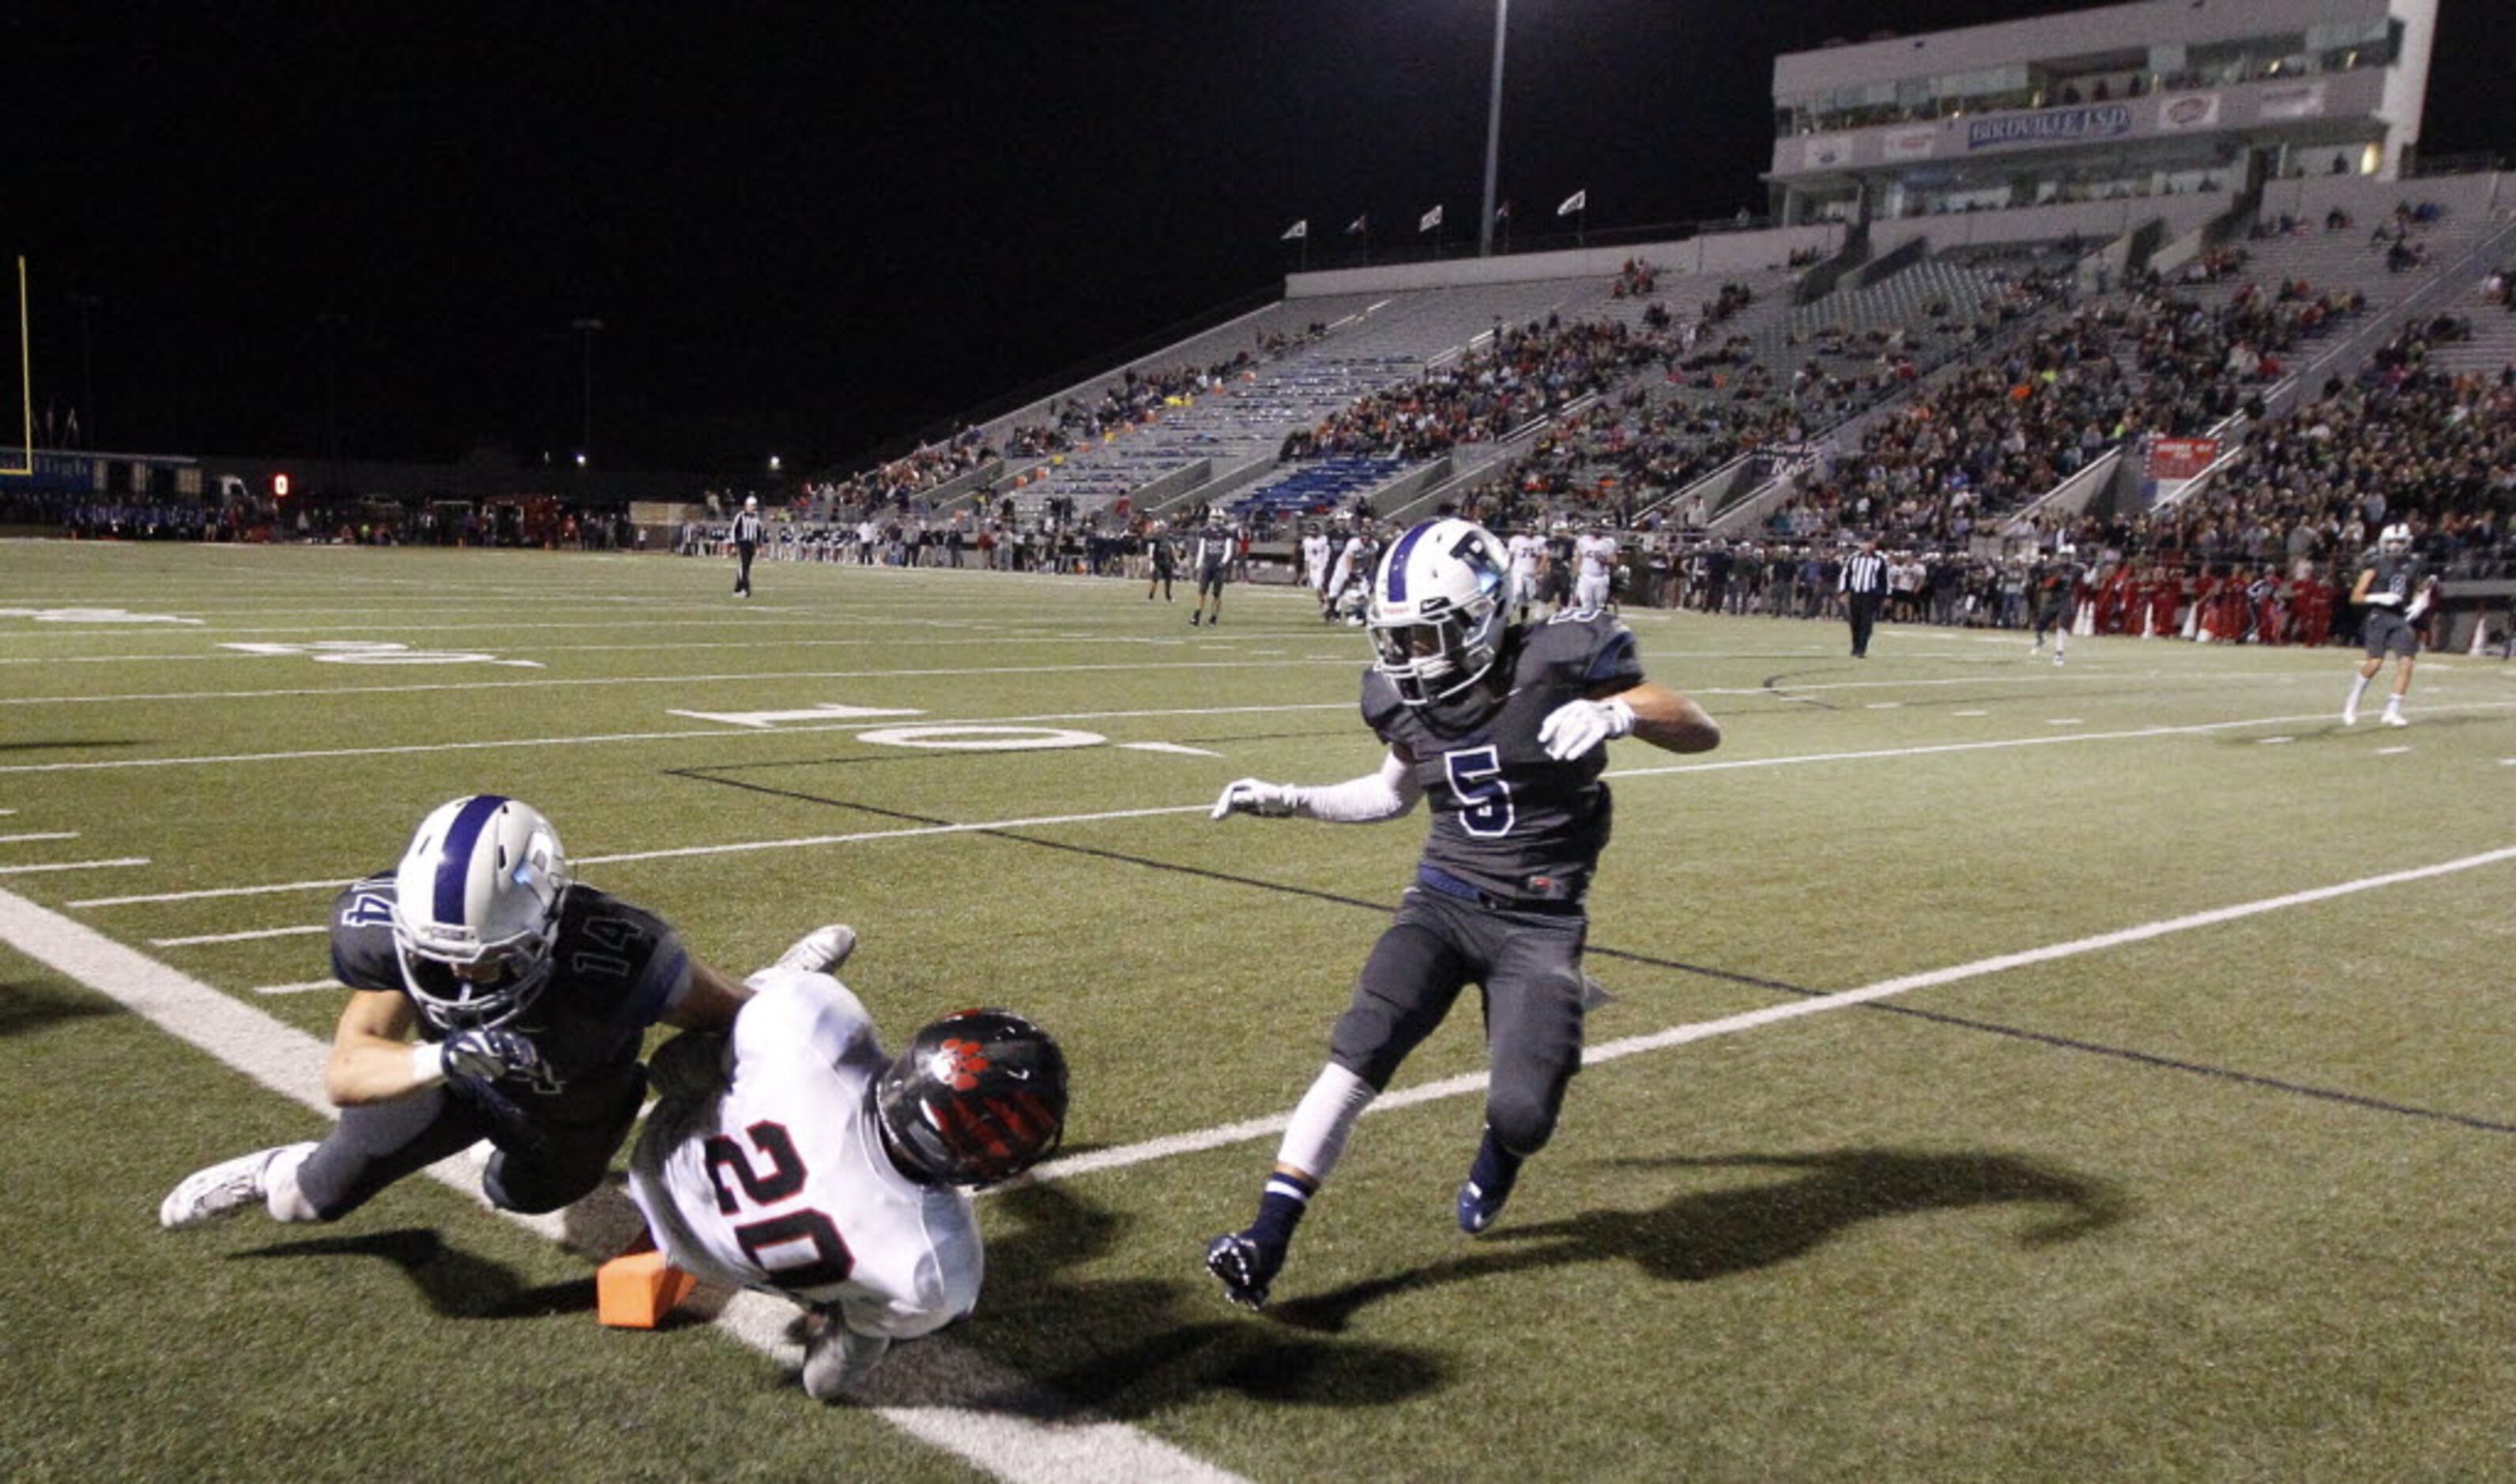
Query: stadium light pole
585	329
1493	131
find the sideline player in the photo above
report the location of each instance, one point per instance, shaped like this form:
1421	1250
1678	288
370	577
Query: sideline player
1596	553
1162	560
793	1156
1212	564
1527	550
1504	725
746	543
531	994
2056	587
2395	587
1315	563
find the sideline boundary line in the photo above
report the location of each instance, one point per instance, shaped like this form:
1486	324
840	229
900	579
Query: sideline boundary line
990	1417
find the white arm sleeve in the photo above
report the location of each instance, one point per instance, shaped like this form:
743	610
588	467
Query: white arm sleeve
1372	797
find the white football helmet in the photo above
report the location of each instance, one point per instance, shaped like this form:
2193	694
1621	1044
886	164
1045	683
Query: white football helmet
476	910
2394	540
1440	608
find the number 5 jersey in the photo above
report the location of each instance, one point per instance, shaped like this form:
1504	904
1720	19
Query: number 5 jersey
1509	821
780	1181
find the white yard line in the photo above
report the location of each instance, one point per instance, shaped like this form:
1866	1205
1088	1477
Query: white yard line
606	739
49	835
1132	666
301	931
301	987
35	870
797	842
1472	1082
991	1419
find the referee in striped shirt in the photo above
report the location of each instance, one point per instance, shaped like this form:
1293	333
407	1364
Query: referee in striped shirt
1864	585
746	543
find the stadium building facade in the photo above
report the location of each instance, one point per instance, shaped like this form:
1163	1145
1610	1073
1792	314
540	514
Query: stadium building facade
2156	99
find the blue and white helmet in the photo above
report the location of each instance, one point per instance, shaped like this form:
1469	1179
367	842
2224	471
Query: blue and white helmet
476	910
1440	608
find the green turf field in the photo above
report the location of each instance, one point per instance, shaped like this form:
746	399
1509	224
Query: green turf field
2196	1194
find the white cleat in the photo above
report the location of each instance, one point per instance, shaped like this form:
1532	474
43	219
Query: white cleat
821	949
2393	719
222	1190
2349	718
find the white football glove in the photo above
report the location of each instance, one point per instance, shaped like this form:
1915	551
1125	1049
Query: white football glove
1249	795
488	1054
1577	726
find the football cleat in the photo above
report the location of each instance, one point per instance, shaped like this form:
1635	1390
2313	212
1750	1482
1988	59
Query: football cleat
1246	1266
821	951
2394	719
1488	1186
2350	717
222	1190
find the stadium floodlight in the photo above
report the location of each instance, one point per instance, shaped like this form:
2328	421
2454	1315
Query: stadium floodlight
585	329
1493	131
26	379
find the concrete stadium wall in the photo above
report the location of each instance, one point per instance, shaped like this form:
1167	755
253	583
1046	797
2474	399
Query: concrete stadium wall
1726	252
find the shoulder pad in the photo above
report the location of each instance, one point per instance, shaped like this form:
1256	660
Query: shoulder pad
1587	649
1381	705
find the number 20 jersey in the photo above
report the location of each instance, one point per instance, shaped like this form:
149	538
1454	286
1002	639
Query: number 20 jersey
780	1181
1507	819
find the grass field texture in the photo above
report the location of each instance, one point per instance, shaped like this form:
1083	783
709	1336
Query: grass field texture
2196	1194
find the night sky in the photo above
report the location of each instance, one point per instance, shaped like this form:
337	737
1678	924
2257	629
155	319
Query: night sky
811	231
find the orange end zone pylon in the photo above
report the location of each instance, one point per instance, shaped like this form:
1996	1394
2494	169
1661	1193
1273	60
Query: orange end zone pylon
637	1292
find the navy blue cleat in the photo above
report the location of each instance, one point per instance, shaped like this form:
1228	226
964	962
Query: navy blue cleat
1488	1186
1245	1265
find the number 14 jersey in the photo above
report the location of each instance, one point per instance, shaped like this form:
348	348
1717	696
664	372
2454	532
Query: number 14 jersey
780	1182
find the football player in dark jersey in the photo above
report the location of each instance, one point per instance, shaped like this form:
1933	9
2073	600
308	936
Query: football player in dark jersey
2394	587
2056	589
1503	726
531	994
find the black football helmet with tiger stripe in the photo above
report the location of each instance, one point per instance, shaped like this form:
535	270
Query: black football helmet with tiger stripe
978	1097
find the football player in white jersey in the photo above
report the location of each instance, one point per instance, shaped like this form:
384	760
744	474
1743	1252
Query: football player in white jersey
1528	551
1315	563
1596	551
1352	569
793	1156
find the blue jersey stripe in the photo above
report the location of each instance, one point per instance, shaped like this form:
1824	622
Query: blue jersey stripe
454	855
1398	562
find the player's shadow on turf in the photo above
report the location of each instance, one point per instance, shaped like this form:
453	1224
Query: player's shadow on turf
28	1007
1704	1235
455	1282
1128	1347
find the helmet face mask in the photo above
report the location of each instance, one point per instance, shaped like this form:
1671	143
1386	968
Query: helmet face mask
476	910
1440	608
977	1097
2394	540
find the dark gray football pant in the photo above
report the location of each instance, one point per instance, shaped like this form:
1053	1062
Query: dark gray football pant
567	1156
1528	966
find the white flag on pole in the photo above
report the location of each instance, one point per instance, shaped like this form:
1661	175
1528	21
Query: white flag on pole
1298	230
1578	200
1429	219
